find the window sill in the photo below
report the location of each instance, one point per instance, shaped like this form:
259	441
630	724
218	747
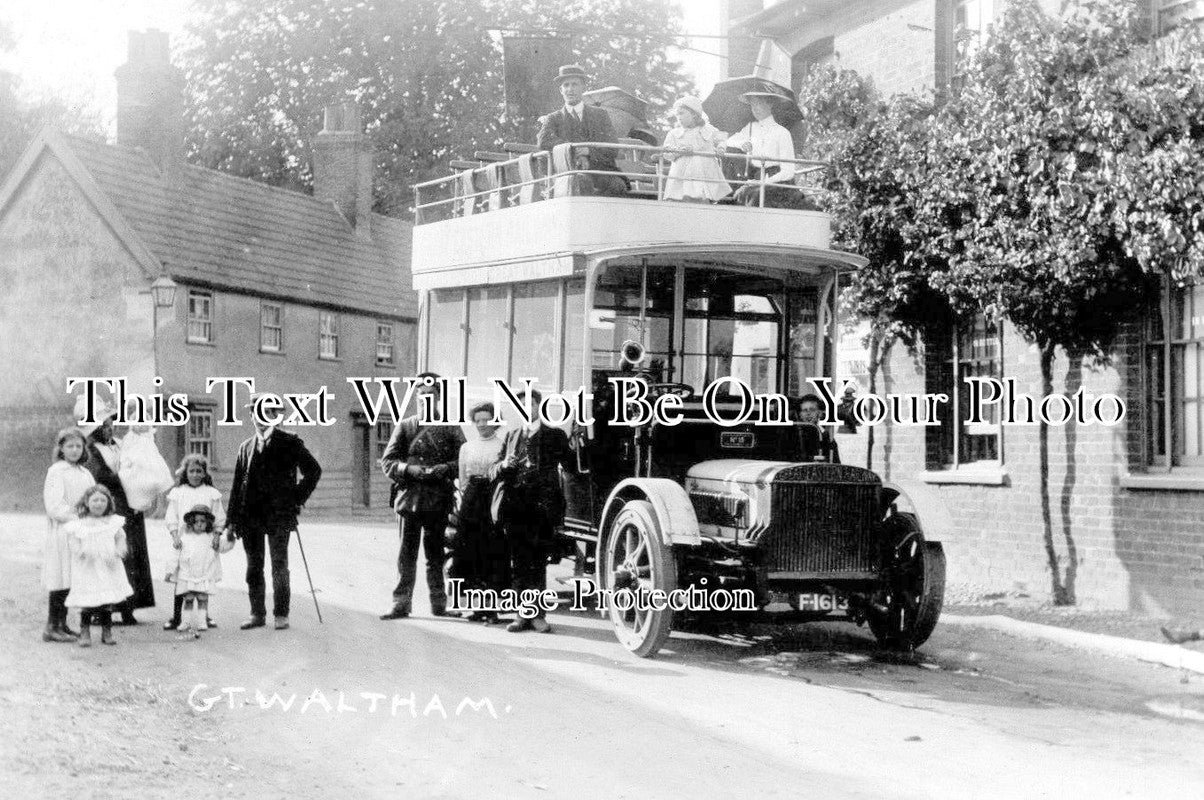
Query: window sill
1181	480
200	343
263	352
967	476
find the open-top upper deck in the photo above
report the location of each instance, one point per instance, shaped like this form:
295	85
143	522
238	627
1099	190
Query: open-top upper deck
523	218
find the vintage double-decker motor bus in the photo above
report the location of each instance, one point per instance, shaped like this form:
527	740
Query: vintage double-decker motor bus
523	273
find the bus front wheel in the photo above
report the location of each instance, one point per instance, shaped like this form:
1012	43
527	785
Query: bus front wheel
636	561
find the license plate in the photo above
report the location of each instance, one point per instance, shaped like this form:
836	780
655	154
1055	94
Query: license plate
822	603
740	439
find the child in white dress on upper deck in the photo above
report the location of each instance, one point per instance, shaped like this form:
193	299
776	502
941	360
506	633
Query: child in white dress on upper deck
697	176
194	487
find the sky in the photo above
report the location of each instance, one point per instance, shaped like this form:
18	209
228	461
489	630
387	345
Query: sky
70	48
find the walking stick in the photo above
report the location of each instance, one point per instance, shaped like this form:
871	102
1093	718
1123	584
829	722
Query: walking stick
309	577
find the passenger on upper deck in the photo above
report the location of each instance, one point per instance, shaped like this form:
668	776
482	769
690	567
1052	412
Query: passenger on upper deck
764	137
577	122
695	177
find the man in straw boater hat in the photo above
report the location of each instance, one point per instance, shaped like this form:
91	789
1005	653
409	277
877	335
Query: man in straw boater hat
265	500
766	139
577	122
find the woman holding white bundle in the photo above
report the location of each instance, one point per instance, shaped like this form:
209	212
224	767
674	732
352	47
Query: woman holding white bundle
696	174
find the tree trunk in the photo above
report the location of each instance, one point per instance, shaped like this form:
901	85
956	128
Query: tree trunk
1061	597
875	363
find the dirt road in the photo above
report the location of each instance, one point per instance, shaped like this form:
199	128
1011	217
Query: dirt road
444	708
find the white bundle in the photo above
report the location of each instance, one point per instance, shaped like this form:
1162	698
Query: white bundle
143	472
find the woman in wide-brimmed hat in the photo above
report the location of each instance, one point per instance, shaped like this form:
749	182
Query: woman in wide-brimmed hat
696	174
772	149
103	460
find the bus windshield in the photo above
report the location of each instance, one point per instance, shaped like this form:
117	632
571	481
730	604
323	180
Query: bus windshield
758	329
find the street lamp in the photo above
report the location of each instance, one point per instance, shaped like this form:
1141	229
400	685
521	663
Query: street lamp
163	290
163	295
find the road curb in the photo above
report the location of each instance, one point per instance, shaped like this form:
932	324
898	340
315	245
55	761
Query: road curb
1168	655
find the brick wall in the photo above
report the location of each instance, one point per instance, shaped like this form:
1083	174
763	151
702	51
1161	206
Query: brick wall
1110	546
74	305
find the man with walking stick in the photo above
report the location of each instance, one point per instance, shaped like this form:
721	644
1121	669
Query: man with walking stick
274	476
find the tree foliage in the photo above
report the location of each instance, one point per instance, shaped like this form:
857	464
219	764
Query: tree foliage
1065	171
426	73
21	118
1024	186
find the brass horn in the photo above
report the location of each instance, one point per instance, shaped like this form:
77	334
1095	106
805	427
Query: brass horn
632	352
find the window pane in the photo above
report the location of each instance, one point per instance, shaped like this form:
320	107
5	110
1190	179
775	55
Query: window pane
200	433
200	317
384	343
445	337
382	431
533	348
271	336
804	316
488	334
328	339
978	354
732	329
616	317
574	336
1187	375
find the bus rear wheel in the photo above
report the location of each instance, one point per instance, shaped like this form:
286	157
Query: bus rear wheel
635	561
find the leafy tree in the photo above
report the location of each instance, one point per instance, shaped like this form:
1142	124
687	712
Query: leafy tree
877	151
1067	174
426	73
20	118
1023	151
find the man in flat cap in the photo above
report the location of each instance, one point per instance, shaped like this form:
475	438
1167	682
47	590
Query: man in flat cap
577	122
274	476
422	460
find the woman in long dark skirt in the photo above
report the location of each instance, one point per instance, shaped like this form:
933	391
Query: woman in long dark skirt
102	460
480	556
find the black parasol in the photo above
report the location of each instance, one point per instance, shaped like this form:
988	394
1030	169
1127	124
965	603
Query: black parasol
627	112
729	113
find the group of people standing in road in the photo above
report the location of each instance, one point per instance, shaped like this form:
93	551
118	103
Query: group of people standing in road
503	518
502	496
96	494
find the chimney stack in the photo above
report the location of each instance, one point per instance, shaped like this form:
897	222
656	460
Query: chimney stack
150	100
343	165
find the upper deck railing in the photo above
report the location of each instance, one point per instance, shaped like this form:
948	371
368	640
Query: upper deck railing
496	182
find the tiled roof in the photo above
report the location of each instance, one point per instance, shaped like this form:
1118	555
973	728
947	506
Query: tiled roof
209	227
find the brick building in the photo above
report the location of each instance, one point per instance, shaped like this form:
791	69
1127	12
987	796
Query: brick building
1111	520
295	290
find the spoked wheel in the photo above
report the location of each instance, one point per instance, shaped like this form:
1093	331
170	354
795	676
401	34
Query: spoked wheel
915	588
636	558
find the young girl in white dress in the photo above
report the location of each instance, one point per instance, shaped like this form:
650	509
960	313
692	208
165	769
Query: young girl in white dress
697	175
194	487
66	481
97	573
200	568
